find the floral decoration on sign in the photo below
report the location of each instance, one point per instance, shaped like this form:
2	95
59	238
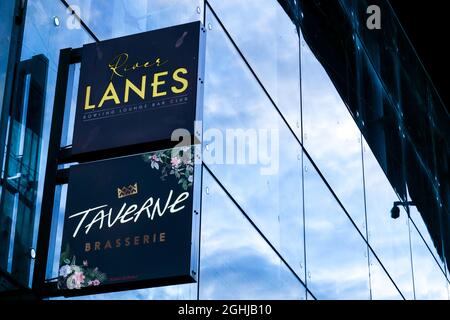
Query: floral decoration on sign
178	162
73	276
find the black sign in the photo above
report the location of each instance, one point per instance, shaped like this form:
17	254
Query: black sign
131	220
138	89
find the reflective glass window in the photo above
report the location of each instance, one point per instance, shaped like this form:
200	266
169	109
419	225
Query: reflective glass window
250	149
269	41
331	136
381	286
178	292
423	230
111	19
388	237
429	280
236	262
336	254
6	23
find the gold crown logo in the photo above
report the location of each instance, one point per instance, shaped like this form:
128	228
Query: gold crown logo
127	191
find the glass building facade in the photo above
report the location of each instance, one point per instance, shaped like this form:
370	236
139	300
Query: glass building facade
361	130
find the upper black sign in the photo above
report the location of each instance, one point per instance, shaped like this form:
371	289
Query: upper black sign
130	222
137	89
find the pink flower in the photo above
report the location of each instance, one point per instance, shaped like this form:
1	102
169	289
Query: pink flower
95	282
175	162
85	263
75	280
79	277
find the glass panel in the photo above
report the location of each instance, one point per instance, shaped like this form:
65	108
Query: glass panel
111	19
235	262
239	120
429	280
21	259
269	41
381	287
46	35
43	36
309	296
388	237
59	206
414	116
69	116
331	136
20	171
6	23
336	254
423	230
179	292
7	224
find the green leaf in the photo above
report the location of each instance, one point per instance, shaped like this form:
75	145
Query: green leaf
102	277
65	256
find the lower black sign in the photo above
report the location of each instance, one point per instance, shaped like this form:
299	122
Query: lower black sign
131	222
